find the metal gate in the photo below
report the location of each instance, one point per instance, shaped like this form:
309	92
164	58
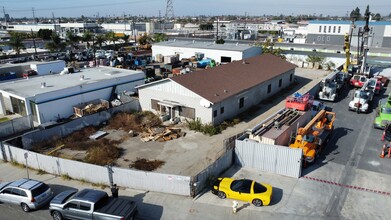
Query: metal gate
271	158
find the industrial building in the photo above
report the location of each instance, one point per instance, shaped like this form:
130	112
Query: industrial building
217	94
222	53
332	33
52	97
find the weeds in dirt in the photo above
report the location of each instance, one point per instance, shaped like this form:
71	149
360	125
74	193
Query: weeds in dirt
16	164
209	128
103	152
138	121
147	165
41	172
66	177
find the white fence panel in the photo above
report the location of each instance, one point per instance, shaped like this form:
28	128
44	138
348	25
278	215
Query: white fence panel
166	183
271	158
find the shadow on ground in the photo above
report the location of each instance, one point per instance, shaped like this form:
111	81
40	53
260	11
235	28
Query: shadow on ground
146	210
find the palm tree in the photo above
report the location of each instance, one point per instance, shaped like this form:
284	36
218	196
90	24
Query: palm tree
72	40
125	38
99	40
56	43
16	41
87	37
112	37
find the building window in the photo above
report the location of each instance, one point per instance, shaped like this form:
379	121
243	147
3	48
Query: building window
319	38
339	29
334	28
280	83
328	38
291	77
329	29
320	28
269	88
324	29
221	110
215	113
241	102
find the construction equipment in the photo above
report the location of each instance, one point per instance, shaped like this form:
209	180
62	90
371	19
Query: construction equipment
299	102
346	48
315	135
331	86
383	113
362	98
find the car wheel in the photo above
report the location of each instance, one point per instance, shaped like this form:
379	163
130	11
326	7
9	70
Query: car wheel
25	207
221	195
257	202
57	215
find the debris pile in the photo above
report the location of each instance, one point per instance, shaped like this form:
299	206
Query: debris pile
161	134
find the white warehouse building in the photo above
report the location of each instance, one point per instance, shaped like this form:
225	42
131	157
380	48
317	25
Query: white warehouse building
222	53
52	97
220	93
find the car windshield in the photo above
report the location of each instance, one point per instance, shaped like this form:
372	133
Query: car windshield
259	188
372	83
39	190
241	185
386	110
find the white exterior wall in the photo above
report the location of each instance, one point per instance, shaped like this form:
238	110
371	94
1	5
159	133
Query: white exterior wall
29	27
314	29
63	108
387	31
117	27
45	68
189	52
172	91
252	97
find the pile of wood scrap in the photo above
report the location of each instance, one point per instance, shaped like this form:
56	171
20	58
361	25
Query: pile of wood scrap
161	134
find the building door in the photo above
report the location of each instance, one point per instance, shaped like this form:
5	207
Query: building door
18	106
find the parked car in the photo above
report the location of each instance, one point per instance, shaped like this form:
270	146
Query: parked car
28	193
244	189
91	204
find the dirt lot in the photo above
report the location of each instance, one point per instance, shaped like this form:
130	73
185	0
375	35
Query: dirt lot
192	153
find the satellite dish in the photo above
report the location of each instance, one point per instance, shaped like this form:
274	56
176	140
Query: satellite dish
205	103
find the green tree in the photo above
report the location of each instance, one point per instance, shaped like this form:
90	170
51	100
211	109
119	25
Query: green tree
56	43
100	40
72	40
125	38
110	36
268	47
144	40
355	14
45	34
87	37
376	16
159	37
16	41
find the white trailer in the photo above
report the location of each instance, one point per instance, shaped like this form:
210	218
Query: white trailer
50	67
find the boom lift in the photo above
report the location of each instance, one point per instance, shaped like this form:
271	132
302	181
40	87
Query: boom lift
315	135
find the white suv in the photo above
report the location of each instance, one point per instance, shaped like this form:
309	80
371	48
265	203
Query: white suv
28	193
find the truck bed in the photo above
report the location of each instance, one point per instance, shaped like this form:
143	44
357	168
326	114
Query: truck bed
118	207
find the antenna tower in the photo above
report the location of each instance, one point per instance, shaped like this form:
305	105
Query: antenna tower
169	12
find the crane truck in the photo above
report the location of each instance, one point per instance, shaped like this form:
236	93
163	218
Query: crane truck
315	135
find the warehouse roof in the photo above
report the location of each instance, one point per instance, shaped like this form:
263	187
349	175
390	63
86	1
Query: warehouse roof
33	85
218	83
204	45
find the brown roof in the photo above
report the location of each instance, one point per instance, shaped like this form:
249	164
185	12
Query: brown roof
234	77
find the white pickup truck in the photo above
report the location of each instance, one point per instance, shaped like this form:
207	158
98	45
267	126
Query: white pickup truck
91	204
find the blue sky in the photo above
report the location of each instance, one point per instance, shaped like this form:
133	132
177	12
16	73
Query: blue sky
76	8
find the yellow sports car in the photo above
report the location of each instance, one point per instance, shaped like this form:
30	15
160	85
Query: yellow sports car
244	189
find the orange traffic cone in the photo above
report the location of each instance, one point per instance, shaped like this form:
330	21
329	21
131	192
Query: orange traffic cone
389	152
382	152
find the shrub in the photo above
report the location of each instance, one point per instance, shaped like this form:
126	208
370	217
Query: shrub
103	152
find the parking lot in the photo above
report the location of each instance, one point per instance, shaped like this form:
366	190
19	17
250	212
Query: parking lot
348	181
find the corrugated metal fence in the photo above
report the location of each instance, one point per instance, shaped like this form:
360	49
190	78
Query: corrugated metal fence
158	182
271	158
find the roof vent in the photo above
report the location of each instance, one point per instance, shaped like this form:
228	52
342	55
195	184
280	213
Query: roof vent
216	94
244	62
81	77
43	84
225	91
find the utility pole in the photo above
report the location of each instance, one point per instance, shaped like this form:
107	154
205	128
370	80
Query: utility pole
5	17
34	16
217	30
134	31
54	21
35	47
